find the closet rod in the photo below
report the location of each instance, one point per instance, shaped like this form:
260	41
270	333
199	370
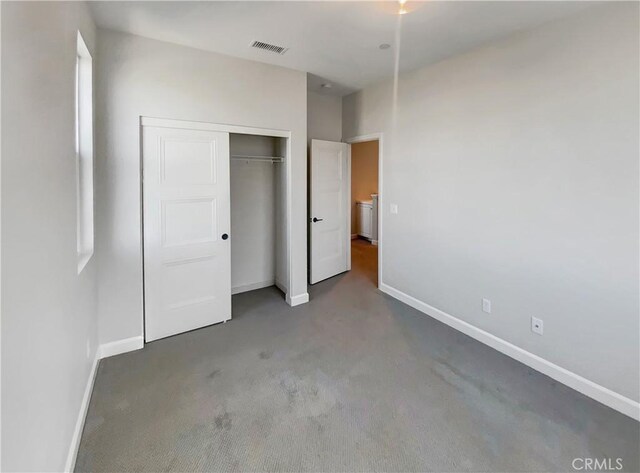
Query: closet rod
272	159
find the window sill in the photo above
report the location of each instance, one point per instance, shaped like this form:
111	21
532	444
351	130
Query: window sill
83	259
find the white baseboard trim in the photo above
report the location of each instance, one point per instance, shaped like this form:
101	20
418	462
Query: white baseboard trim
252	287
82	415
593	390
297	300
120	346
105	350
281	286
354	236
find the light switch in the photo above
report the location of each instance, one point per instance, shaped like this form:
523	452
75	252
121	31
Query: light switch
393	208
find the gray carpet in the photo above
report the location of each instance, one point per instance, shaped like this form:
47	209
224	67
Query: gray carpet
352	381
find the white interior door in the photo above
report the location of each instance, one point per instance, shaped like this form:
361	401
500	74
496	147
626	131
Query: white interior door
365	221
330	210
187	251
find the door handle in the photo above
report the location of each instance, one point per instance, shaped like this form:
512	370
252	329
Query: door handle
317	220
225	236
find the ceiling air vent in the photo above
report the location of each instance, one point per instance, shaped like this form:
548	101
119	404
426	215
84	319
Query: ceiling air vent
269	47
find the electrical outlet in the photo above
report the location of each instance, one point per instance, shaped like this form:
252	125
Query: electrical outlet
537	325
393	208
486	306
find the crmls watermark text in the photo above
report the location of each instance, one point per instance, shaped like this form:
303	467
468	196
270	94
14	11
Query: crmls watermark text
597	464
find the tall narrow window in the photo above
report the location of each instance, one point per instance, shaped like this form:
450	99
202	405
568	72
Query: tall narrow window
84	152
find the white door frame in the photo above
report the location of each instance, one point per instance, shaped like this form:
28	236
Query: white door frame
246	130
360	139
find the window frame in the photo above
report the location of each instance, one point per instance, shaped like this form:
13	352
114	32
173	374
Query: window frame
83	124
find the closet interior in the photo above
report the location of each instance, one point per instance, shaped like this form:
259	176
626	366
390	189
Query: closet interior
258	212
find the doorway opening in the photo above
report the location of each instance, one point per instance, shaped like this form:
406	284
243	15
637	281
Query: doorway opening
365	207
344	216
258	212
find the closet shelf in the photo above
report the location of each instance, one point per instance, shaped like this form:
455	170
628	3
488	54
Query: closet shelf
271	159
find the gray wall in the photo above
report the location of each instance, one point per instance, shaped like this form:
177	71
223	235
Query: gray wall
49	314
138	76
515	169
324	117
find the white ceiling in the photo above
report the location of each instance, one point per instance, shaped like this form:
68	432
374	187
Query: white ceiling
336	42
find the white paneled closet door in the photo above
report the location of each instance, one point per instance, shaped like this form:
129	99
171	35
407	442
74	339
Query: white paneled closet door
186	211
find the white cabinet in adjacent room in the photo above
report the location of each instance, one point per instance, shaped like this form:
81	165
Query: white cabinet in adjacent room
365	219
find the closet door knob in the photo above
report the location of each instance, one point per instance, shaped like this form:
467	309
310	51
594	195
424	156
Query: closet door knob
317	220
225	236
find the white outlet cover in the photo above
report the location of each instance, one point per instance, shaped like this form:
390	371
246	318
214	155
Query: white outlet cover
537	325
486	306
